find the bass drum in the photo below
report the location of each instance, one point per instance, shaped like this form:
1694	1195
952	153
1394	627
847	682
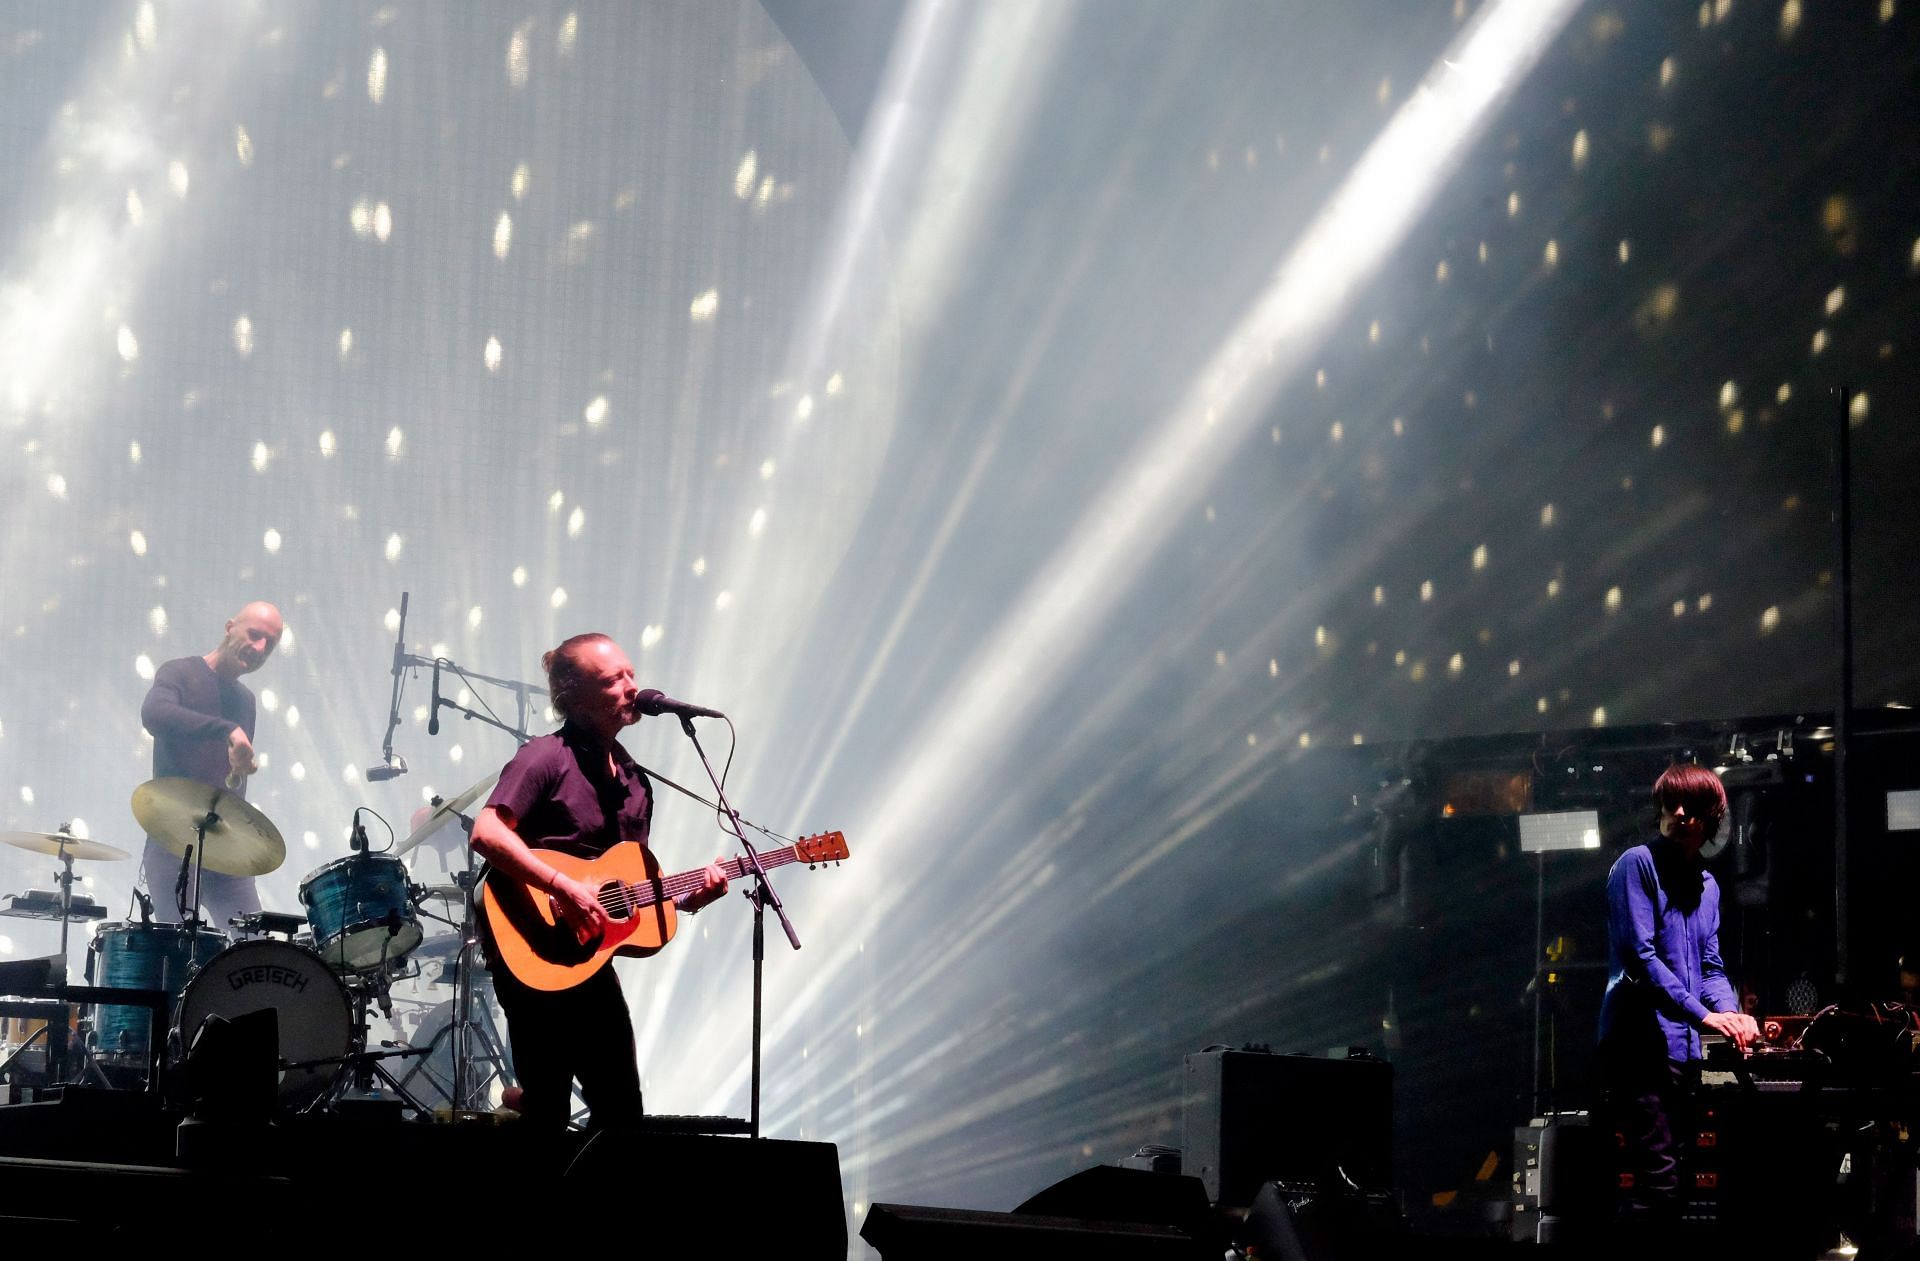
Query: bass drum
315	1015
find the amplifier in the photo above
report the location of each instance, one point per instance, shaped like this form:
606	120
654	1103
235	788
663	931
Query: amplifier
1561	1167
1305	1120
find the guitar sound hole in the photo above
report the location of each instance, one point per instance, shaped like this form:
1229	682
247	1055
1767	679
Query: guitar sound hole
615	902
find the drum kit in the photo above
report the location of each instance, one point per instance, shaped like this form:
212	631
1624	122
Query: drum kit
320	973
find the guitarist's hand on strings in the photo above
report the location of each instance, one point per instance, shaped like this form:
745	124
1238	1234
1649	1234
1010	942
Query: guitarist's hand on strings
576	902
712	890
579	905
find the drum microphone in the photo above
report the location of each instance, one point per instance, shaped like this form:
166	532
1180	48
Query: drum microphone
146	907
359	839
393	769
655	702
433	712
180	886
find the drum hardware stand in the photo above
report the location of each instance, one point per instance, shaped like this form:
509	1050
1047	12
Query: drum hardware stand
466	1093
89	1067
57	1052
360	1066
195	861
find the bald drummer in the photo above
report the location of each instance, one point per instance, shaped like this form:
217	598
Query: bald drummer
201	717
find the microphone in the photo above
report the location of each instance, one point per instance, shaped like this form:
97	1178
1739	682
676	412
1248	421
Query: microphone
393	769
433	713
655	702
359	840
180	887
146	907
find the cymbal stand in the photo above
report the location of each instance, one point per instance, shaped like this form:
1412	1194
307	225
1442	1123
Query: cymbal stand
196	859
57	1047
65	880
466	1095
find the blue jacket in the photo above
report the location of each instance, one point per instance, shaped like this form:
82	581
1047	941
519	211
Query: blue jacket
1664	974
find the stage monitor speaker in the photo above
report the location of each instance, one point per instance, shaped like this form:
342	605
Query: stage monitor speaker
1304	1120
911	1232
233	1067
797	1209
1107	1193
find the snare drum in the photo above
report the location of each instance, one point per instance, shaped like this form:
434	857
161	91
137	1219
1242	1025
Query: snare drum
314	1014
360	912
141	957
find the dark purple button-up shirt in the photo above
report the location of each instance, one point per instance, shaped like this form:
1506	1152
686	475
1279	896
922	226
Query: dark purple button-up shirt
1664	974
562	794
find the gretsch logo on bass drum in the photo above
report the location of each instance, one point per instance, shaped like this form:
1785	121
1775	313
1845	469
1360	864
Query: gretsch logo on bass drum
269	974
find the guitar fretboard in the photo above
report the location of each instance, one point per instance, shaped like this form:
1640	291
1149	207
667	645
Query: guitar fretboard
647	892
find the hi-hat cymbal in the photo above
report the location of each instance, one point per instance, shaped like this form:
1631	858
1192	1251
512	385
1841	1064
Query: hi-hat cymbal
444	812
58	843
240	841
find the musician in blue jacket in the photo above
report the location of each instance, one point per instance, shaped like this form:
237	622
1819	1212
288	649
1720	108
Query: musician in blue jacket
1666	985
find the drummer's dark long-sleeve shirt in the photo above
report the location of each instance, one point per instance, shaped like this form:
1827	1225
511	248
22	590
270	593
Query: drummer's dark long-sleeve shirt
190	710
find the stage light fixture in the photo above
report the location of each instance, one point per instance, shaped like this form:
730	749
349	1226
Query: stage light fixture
1559	830
1903	810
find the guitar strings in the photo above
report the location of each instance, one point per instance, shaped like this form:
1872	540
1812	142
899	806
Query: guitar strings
616	898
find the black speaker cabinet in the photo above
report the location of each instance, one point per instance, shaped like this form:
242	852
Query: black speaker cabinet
1107	1193
911	1232
1253	1118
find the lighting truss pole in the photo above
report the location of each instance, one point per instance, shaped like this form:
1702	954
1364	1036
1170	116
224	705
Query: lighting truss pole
1843	704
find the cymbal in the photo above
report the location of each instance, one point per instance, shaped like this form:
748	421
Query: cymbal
444	812
58	843
241	841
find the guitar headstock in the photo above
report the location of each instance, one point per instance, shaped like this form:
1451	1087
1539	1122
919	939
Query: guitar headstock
826	847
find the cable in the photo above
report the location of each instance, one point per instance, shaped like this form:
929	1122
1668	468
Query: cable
391	835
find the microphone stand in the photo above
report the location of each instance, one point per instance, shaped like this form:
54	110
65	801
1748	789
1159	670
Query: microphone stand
762	896
466	960
399	665
519	733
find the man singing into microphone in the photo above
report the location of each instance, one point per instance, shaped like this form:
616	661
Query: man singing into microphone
201	717
577	791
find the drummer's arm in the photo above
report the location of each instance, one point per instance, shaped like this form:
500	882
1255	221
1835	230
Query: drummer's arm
163	714
495	840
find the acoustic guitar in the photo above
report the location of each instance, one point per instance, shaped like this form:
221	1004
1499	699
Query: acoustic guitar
544	952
